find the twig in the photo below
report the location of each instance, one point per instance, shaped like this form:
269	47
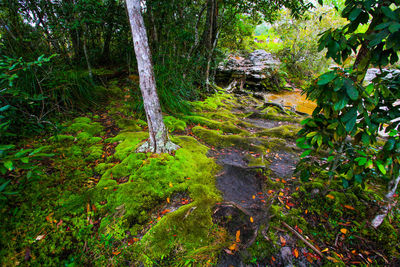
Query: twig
303	239
233	204
279	229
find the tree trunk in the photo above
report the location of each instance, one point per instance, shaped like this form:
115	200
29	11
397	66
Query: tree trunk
158	136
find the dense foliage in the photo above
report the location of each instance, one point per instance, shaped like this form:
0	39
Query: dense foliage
351	114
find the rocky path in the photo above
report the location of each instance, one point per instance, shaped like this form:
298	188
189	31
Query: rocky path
248	194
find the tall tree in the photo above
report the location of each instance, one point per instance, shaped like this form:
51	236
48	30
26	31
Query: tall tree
158	136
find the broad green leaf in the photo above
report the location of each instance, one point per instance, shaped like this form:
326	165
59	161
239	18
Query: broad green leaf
394	27
25	160
351	90
350	124
361	161
350	114
381	167
389	144
3	186
389	13
341	103
326	78
354	13
8	165
305	153
365	139
312	134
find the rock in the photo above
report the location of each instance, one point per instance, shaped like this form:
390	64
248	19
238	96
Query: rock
257	72
287	257
373	72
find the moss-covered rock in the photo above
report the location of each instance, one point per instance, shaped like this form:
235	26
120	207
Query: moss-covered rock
224	126
284	131
84	124
173	124
218	140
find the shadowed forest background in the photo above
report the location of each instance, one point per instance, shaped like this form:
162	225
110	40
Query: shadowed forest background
283	116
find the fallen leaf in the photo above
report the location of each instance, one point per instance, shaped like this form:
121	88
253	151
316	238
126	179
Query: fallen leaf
168	200
310	260
280	194
343	230
39	237
283	241
233	247
254	197
330	196
228	251
238	236
325	250
273	258
170	184
296	253
116	252
349	207
270	192
251	219
165	211
332	259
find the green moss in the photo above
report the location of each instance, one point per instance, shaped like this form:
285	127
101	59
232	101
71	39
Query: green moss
130	125
226	126
62	138
284	131
94	152
173	124
213	103
84	124
102	167
128	142
153	178
87	139
216	139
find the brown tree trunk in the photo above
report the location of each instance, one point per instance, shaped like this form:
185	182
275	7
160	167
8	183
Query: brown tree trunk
158	136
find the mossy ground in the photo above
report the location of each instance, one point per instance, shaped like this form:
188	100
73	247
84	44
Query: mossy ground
99	202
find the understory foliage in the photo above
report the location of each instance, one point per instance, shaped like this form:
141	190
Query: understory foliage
351	114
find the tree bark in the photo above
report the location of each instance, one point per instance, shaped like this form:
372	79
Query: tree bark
158	136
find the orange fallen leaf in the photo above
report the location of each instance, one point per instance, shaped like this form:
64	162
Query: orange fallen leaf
273	258
238	236
310	260
330	196
116	252
280	194
283	241
296	253
325	250
165	211
251	219
270	192
233	247
170	184
168	201
254	197
370	261
349	207
343	230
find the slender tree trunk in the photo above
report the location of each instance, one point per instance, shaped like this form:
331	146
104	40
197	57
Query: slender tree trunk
86	52
158	135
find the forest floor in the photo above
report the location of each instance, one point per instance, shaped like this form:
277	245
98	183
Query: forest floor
228	197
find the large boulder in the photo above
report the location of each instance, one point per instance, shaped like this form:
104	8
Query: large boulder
257	71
